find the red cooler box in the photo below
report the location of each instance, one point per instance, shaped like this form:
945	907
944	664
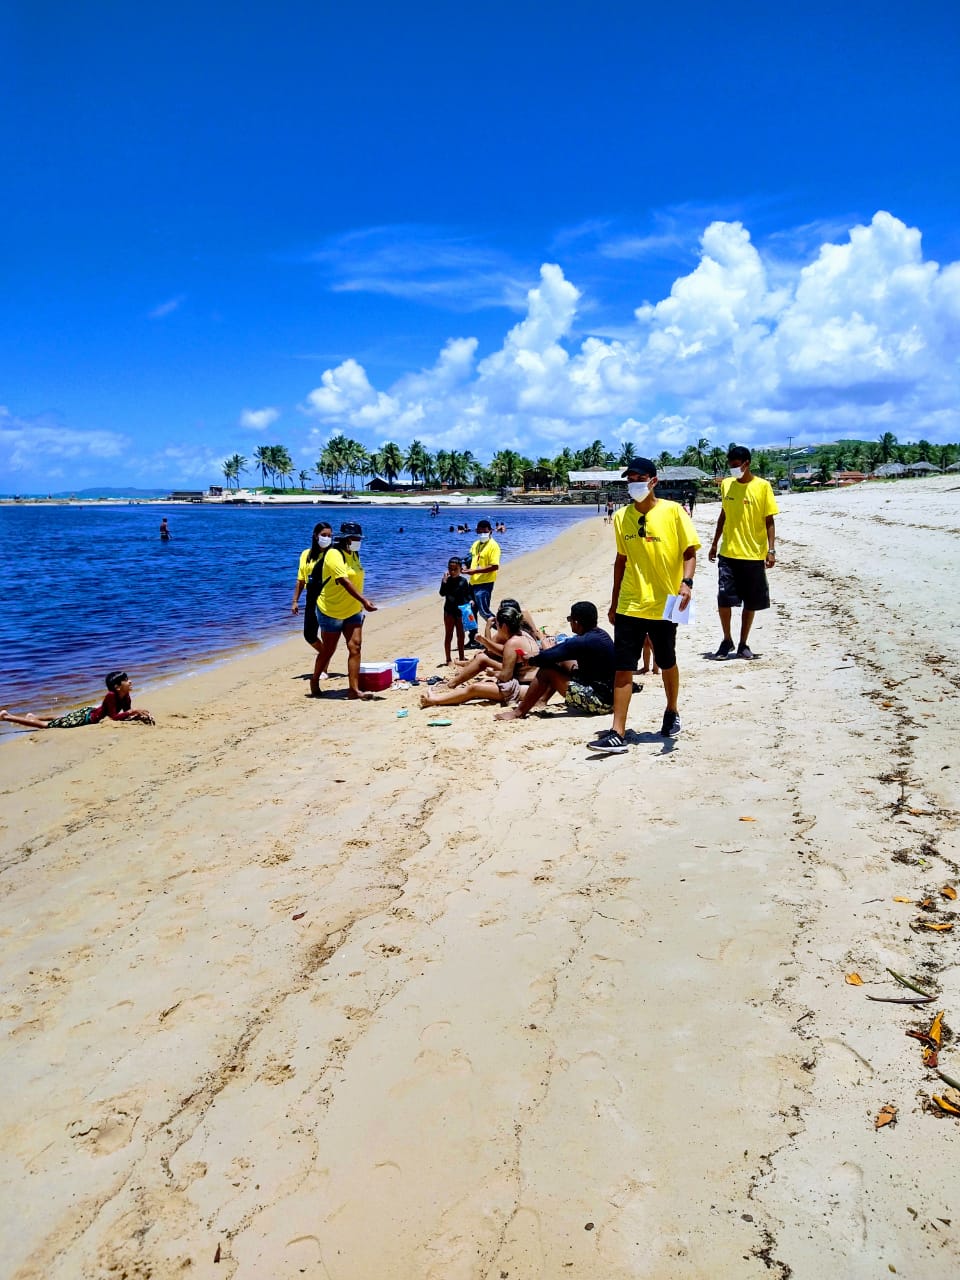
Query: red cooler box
375	676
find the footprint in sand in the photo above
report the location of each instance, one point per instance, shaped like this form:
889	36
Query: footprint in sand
109	1128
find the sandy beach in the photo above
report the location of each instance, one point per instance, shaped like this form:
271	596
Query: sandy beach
301	988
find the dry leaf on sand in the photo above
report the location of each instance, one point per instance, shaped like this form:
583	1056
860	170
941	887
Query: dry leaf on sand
748	819
948	891
903	900
936	1029
932	925
888	1115
853	979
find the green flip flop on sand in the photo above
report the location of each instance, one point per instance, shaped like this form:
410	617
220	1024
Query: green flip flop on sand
438	724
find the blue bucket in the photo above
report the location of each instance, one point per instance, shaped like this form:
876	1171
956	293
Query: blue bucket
406	668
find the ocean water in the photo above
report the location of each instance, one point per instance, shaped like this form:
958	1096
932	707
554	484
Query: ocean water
89	588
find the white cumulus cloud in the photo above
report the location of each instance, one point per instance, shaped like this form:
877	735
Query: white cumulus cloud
860	337
259	419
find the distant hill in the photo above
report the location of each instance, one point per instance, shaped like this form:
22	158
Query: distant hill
112	493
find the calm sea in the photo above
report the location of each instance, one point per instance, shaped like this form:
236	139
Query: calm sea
89	588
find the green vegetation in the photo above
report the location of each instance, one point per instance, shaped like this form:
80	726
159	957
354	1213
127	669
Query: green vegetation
346	464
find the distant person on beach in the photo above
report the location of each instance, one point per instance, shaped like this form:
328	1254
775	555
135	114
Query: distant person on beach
455	589
656	558
484	563
746	537
503	685
608	518
580	668
164	530
341	604
115	706
309	574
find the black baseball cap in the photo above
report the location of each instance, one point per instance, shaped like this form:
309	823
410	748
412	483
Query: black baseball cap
641	467
584	612
350	529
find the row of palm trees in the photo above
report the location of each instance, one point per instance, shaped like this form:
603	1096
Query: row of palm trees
343	462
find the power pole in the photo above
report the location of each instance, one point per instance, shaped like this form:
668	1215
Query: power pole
790	461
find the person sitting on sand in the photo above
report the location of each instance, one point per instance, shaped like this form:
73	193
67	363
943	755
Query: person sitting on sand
115	706
489	659
455	589
340	605
502	686
580	668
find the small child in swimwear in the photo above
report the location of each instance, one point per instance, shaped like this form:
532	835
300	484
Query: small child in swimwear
115	706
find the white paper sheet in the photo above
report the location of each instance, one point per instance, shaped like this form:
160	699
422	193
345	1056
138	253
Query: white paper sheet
672	612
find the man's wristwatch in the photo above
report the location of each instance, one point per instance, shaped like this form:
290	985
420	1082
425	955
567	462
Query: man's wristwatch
687	582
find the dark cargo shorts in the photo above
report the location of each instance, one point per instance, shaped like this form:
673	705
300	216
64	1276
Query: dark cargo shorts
742	582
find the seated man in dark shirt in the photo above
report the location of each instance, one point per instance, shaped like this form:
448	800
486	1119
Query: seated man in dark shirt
580	668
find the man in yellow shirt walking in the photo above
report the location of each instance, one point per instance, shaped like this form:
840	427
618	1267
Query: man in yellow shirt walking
747	549
656	558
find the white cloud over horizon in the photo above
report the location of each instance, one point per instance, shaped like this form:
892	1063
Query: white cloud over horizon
39	445
858	338
167	308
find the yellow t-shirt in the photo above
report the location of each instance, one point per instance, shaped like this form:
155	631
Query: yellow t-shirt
654	567
745	509
335	601
304	569
482	554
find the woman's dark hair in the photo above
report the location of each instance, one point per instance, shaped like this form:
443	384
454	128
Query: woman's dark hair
509	618
315	549
115	678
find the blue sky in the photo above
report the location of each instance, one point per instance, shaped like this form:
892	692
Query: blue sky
509	226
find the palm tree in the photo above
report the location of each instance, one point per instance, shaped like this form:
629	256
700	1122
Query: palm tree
506	466
627	450
924	450
458	468
282	463
717	460
665	459
700	448
303	477
416	461
563	464
873	454
228	471
887	443
262	457
239	464
391	462
762	463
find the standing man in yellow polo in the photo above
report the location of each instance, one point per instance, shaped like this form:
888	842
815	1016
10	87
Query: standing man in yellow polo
484	563
656	558
747	549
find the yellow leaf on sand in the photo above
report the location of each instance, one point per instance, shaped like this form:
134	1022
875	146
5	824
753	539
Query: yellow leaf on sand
748	819
948	891
937	928
947	1106
936	1029
887	1116
903	900
854	980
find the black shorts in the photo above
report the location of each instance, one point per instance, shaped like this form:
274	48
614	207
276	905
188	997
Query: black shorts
742	582
629	635
311	623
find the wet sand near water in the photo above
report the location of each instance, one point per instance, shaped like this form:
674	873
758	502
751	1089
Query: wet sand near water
297	987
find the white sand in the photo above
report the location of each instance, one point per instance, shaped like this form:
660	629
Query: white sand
539	1015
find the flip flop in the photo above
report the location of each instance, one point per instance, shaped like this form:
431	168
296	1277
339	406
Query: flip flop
438	724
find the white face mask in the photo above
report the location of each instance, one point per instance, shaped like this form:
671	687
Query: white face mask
638	490
484	537
736	472
353	544
323	542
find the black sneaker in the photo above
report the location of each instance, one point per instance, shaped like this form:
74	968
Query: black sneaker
671	725
608	743
744	651
725	650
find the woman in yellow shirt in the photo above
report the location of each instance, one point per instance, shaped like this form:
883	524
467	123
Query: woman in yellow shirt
310	559
341	604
